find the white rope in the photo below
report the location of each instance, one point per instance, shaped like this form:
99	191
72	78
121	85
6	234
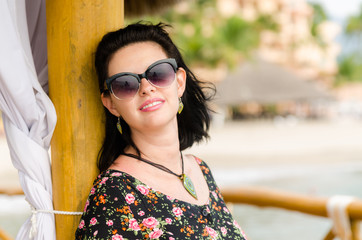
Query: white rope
337	211
34	212
57	212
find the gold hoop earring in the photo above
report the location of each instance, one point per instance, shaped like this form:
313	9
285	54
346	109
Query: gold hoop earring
180	106
119	127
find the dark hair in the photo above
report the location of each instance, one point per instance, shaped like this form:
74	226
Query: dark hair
194	120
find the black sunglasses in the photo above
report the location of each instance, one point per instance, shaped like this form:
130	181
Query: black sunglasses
125	85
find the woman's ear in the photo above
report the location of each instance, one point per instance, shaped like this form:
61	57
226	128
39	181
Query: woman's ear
181	81
108	103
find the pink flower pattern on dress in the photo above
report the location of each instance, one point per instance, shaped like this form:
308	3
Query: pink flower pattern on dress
116	174
117	237
177	211
150	222
81	224
104	180
130	198
211	232
144	190
120	206
156	234
236	224
226	210
215	195
93	221
133	224
170	198
86	205
243	233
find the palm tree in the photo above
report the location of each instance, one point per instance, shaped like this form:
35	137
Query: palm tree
210	39
350	65
319	16
354	24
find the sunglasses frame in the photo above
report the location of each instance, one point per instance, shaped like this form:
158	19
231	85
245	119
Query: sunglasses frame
139	77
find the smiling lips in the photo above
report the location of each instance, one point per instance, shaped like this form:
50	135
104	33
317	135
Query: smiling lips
151	105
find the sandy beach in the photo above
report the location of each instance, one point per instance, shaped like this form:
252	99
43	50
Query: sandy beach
260	143
260	146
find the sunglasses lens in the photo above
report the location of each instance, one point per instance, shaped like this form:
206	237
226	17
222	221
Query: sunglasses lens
161	75
125	86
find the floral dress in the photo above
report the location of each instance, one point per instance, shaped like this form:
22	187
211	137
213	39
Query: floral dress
122	207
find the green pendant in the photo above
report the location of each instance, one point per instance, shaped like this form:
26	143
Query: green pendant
189	186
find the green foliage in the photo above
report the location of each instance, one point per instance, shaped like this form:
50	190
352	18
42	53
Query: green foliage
207	38
350	69
354	24
350	66
235	38
266	22
319	16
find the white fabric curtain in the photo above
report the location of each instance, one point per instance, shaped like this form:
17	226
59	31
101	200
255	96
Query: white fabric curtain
28	114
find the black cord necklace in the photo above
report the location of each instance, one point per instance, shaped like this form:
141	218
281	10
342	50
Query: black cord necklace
186	181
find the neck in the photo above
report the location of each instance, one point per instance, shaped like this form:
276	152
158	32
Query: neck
152	143
159	166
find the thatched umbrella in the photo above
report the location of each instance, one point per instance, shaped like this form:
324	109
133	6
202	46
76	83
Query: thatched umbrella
266	83
136	8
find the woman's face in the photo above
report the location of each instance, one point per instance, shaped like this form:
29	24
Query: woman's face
151	107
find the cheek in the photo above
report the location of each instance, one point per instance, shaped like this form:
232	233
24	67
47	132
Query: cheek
175	104
174	97
124	108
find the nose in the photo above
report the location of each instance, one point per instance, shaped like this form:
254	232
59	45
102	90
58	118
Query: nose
146	87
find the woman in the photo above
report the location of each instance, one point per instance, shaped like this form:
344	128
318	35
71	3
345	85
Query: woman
155	108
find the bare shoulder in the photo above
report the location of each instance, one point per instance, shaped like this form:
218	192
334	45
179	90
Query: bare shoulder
126	164
192	159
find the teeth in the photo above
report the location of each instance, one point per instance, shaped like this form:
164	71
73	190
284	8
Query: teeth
151	104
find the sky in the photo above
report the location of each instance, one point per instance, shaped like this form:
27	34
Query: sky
339	10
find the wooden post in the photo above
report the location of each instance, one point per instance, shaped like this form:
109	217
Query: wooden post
73	29
4	235
330	235
356	232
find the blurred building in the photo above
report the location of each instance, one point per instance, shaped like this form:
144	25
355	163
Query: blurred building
293	45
